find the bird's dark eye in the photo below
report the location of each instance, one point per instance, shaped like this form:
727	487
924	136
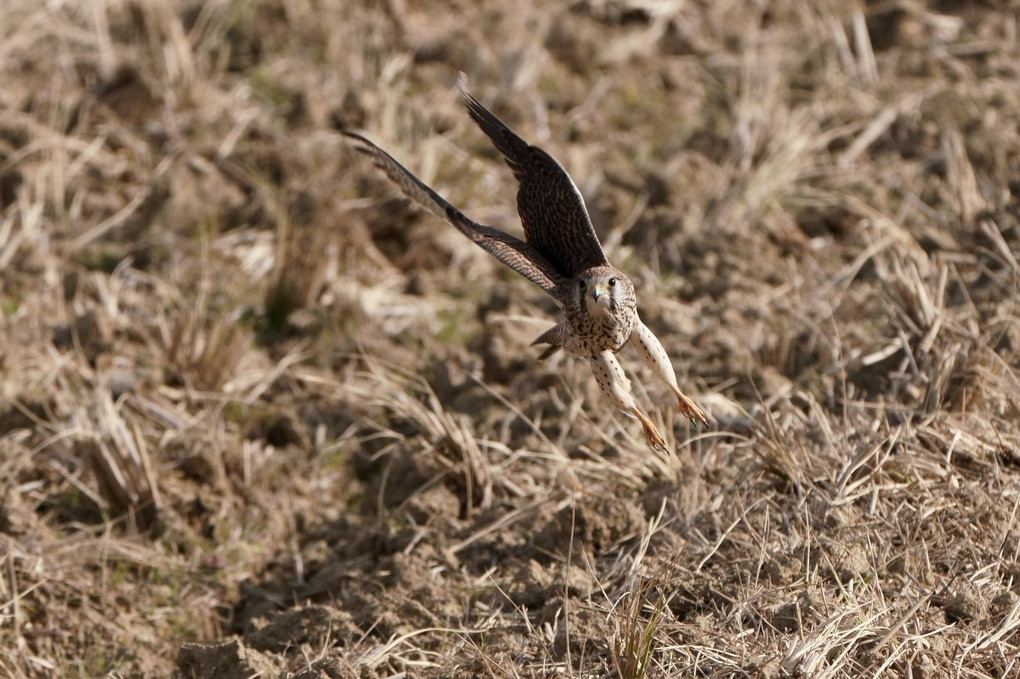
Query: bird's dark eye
612	282
580	284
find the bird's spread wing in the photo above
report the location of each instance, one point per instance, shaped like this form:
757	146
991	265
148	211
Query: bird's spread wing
522	257
555	219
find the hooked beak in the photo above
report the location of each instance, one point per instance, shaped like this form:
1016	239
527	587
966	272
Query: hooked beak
596	292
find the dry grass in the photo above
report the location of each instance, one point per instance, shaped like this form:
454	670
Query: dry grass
260	417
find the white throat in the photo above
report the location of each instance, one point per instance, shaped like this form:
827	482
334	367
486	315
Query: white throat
598	307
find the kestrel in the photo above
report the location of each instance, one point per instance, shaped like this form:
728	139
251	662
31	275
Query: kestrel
562	255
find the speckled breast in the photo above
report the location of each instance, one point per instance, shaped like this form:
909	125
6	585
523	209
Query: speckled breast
595	334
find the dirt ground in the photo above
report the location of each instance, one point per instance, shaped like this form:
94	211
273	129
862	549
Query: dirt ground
260	416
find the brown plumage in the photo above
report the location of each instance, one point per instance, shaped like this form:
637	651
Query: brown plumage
562	255
552	210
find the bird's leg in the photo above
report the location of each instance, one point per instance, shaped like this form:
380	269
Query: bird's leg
616	387
648	345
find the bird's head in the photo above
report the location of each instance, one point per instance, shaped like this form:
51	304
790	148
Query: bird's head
603	289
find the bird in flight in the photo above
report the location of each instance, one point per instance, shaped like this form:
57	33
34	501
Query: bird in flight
560	254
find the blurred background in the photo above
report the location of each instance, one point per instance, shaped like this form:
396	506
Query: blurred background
260	414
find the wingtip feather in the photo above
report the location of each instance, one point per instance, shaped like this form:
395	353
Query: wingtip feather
477	111
348	132
361	142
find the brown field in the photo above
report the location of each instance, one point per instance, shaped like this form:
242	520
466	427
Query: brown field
260	416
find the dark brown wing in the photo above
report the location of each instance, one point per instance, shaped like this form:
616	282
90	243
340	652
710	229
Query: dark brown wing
555	219
515	253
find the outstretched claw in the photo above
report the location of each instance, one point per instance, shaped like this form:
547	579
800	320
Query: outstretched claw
688	409
655	439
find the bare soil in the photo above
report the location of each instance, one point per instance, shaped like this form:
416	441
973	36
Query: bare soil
260	416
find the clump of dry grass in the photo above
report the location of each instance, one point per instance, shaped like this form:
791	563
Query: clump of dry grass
210	356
